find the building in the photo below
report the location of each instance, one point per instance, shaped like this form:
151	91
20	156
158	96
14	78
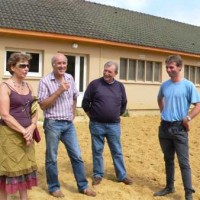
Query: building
90	34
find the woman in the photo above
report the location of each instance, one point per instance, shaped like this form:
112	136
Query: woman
17	161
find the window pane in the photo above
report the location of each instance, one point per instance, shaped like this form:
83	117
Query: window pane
123	68
198	76
157	72
34	62
149	71
186	72
132	70
81	74
192	74
71	65
140	75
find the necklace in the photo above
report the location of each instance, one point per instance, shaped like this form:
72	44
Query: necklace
18	85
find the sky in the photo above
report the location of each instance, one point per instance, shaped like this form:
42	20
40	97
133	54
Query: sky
186	11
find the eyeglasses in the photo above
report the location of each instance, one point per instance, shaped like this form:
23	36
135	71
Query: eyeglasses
23	66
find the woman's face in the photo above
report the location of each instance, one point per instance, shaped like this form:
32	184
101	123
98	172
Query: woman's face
21	69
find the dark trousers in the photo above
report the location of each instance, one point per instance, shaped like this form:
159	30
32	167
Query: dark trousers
174	139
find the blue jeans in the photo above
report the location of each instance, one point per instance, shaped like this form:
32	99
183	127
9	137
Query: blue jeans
174	139
64	131
110	131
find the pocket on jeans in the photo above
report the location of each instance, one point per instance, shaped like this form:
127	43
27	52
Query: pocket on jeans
181	136
49	123
161	132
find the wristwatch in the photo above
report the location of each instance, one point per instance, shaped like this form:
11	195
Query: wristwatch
188	118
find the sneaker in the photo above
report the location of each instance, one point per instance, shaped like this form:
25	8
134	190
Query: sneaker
96	180
164	191
127	181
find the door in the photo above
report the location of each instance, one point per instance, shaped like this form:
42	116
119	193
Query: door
77	68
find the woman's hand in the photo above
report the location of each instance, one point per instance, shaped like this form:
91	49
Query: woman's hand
28	134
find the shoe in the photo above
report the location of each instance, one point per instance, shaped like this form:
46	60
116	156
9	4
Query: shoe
96	180
127	181
164	192
57	194
89	192
188	196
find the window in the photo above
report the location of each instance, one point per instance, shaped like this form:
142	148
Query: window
149	71
198	76
192	73
157	72
123	69
76	67
140	70
35	63
132	70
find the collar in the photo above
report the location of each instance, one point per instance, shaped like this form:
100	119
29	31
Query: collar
66	76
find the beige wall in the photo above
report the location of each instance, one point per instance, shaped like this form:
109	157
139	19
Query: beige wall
141	96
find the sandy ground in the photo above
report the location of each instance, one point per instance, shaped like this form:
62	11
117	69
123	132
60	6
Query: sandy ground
143	159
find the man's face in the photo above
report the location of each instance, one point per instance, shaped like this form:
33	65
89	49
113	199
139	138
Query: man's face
109	73
172	69
60	65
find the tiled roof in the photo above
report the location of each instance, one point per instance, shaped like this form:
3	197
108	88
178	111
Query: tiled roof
92	20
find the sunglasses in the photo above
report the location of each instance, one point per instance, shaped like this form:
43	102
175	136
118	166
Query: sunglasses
23	66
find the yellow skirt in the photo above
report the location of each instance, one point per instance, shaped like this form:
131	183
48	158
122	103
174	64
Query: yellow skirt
16	157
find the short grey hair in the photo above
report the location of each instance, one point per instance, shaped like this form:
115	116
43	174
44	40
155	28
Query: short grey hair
54	58
109	63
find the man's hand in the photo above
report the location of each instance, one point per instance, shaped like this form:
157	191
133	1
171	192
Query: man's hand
64	86
186	124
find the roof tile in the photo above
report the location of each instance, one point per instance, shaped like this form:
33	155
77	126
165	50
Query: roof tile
92	20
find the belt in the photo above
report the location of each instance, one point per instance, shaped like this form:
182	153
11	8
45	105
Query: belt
59	120
163	122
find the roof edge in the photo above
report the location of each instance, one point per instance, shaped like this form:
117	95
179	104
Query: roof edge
90	40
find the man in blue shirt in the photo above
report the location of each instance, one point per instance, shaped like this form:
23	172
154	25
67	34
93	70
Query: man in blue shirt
104	101
174	99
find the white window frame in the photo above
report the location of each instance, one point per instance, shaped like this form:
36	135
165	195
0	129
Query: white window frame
30	74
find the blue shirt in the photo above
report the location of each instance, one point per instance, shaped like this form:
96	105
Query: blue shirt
178	96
